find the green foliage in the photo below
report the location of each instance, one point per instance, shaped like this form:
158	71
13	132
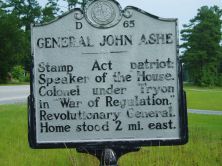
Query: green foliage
73	3
16	17
19	74
203	54
50	11
28	11
219	79
11	45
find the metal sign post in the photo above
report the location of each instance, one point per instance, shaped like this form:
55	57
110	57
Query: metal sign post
104	79
108	156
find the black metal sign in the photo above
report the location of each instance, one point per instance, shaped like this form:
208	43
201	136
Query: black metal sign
106	77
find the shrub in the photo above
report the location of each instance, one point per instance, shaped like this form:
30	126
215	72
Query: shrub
19	74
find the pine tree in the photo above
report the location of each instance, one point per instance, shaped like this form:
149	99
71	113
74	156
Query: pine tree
50	11
11	45
202	55
73	3
28	11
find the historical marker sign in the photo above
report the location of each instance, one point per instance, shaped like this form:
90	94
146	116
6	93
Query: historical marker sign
106	75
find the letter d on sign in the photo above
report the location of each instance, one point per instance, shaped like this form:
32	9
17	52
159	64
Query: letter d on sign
78	25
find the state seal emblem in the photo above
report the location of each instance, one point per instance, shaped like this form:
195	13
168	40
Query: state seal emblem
103	13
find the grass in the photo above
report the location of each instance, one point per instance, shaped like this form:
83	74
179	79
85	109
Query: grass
204	98
204	147
14	148
14	83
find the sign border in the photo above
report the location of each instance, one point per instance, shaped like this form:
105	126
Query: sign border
161	142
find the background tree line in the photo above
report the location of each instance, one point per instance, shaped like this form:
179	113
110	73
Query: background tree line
202	55
16	16
202	39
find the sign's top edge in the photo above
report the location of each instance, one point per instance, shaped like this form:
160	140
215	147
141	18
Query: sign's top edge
82	11
151	15
57	18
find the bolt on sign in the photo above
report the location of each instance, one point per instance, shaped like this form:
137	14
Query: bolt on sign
104	76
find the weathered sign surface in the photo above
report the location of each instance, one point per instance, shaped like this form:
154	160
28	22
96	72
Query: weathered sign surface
106	75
